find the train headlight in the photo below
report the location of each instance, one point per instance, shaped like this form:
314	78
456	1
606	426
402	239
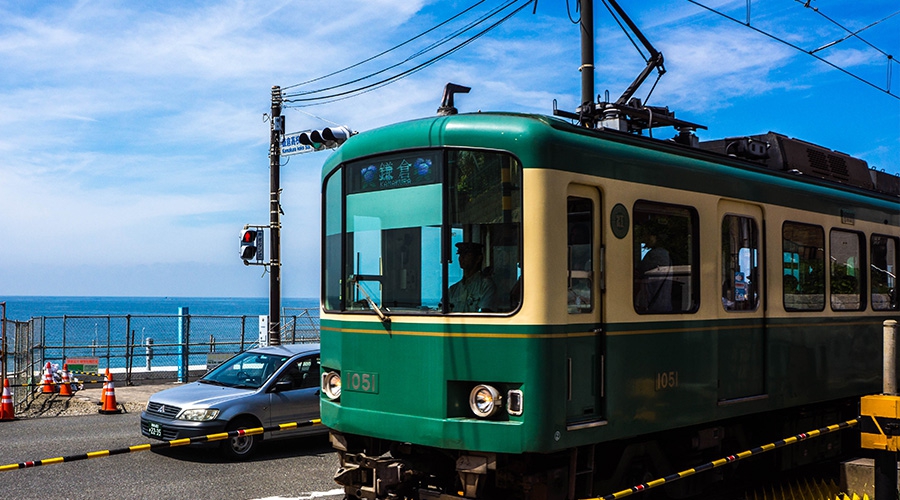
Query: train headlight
331	385
484	400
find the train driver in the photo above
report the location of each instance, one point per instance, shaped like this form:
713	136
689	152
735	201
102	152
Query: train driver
475	291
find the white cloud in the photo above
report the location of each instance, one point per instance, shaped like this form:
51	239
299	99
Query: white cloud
121	122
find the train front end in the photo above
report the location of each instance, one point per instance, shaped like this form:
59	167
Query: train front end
431	373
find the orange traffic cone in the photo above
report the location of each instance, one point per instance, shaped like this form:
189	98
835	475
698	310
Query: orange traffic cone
49	387
109	402
65	388
103	391
7	410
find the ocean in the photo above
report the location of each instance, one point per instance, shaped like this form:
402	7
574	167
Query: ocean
23	308
139	331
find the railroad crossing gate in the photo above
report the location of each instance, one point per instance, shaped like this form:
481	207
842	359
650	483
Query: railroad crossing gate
879	422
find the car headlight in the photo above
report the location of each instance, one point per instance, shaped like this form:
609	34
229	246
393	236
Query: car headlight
331	385
199	414
484	400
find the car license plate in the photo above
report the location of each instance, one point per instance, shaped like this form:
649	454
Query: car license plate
154	430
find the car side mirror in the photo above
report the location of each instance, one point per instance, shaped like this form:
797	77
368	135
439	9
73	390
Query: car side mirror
283	385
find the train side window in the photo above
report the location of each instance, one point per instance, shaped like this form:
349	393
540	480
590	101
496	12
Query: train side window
847	283
803	249
740	263
666	258
580	250
883	269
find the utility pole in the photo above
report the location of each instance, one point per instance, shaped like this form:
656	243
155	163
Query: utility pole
277	130
587	63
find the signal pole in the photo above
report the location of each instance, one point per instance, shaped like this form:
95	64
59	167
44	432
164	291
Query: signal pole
277	130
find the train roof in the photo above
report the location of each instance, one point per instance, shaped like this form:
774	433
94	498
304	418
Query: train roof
780	177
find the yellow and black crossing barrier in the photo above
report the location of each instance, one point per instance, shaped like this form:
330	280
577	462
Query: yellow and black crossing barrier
729	459
162	445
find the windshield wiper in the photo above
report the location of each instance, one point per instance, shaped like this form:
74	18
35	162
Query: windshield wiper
385	319
209	381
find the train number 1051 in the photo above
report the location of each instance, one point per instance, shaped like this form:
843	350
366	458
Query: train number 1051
666	380
361	382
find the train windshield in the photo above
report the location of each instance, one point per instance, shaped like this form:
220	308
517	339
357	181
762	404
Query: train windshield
428	232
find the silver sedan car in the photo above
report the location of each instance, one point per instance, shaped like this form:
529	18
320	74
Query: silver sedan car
257	388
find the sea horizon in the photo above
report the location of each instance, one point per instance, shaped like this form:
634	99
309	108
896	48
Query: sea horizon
25	307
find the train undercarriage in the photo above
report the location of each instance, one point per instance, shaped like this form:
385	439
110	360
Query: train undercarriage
375	469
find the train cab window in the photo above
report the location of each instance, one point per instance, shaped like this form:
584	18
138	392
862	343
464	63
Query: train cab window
432	231
883	272
803	249
666	258
740	263
847	283
580	250
485	211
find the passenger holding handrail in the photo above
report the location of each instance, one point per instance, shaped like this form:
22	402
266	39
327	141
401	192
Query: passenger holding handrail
654	275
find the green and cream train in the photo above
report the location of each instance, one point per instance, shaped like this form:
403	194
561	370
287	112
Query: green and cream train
517	307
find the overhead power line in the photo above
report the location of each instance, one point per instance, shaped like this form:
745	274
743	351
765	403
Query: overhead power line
811	53
323	95
850	34
431	47
395	47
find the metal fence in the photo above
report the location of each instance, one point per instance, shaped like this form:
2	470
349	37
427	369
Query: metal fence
137	347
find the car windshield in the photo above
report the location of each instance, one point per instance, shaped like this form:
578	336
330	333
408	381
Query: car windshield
248	370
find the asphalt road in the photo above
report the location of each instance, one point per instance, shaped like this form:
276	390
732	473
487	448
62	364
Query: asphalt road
285	469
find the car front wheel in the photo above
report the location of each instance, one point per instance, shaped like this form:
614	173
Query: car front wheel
241	447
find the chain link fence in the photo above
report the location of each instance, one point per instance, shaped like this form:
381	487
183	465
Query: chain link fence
136	348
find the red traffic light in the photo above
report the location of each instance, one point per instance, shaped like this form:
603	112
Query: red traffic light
251	245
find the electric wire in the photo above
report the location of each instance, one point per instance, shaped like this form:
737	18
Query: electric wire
431	47
376	56
384	83
317	117
577	9
462	30
630	39
789	44
855	34
850	34
297	98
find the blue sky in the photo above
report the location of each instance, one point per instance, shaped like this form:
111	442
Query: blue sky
133	147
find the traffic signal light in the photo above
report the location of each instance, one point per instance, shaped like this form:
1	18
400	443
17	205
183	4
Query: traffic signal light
329	136
251	245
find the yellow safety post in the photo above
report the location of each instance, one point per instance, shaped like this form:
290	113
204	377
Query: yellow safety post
879	420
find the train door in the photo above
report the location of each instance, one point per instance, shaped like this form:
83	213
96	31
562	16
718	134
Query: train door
585	342
742	335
